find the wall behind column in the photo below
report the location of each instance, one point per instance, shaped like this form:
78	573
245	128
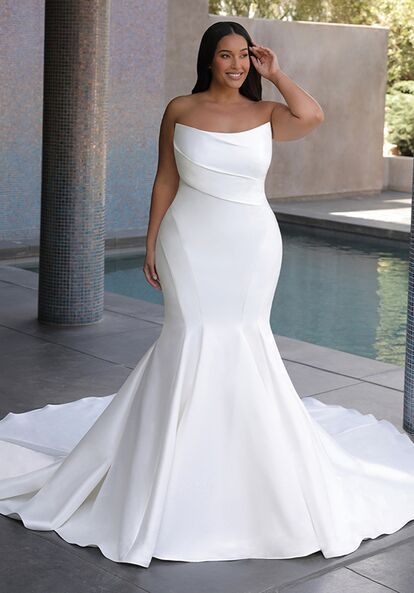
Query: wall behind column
138	41
21	80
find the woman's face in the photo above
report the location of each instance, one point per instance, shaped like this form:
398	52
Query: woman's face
231	61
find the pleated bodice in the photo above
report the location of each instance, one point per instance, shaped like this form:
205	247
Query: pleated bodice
227	165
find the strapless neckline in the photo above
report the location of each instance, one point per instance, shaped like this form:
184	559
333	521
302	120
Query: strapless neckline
223	133
227	165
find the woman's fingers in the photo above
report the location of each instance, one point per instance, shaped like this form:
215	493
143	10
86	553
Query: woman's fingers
260	49
260	54
152	276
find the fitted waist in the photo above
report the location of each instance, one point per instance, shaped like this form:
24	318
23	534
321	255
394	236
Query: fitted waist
220	184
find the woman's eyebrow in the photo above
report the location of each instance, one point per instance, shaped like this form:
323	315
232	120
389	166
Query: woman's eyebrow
229	50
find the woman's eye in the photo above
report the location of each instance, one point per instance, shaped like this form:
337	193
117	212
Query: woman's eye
227	55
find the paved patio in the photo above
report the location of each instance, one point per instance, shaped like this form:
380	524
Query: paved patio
41	364
386	214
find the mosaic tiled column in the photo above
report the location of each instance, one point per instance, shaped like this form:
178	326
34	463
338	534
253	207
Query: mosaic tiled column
71	267
408	422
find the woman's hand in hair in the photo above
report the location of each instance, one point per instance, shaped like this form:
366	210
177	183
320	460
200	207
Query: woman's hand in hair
264	60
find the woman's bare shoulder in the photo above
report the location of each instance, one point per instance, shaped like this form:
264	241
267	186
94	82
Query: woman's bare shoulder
268	107
180	104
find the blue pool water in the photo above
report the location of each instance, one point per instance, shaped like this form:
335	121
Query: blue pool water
339	290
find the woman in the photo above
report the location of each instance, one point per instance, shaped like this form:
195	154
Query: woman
207	451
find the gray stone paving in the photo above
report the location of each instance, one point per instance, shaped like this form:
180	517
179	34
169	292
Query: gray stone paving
41	364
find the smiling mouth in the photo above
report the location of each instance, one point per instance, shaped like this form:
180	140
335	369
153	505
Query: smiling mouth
234	76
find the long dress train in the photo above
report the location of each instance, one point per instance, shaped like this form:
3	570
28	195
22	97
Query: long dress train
207	452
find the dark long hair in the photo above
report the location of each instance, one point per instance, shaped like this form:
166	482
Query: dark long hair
252	86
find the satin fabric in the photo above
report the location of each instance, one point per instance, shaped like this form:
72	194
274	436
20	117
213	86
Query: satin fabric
207	452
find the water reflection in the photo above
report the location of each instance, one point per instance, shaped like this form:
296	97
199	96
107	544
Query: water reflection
343	291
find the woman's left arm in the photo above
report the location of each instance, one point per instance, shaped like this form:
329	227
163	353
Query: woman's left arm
302	113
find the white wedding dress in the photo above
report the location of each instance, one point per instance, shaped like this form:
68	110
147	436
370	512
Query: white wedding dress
207	452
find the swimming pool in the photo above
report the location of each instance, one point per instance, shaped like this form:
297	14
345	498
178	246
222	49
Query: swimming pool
339	290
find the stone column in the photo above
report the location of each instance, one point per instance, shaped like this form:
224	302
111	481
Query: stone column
408	422
72	247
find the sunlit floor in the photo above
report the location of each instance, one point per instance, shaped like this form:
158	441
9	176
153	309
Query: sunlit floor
388	211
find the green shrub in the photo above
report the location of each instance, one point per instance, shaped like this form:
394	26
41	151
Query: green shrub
399	116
